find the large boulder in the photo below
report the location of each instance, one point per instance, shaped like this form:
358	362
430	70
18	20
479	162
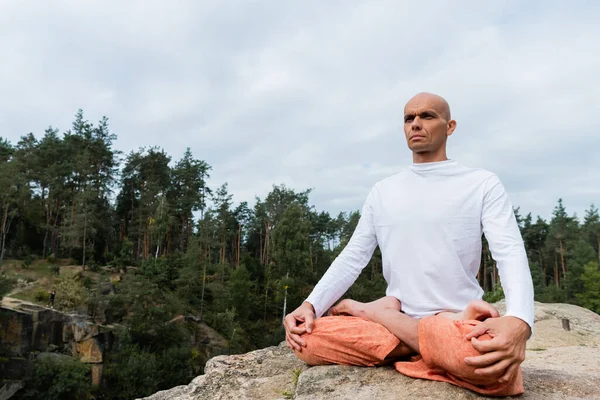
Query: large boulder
563	362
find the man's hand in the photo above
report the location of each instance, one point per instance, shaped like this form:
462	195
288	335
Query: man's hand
305	313
504	352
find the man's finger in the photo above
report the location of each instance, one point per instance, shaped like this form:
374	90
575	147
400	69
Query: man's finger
289	321
297	330
294	345
493	312
477	331
484	360
497	369
297	339
510	372
309	323
486	346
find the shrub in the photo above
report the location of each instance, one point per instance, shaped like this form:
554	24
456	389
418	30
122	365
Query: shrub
88	282
28	260
59	379
51	259
6	284
70	293
41	296
54	268
495	295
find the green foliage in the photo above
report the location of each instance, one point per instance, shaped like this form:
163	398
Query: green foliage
176	247
58	379
590	298
54	269
495	295
6	284
70	293
28	260
41	295
88	282
134	372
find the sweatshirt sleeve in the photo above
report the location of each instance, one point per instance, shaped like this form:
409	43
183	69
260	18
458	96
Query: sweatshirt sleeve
507	248
348	264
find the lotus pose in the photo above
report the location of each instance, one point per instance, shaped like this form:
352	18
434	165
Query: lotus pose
428	221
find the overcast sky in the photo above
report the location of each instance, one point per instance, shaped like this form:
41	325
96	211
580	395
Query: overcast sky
310	93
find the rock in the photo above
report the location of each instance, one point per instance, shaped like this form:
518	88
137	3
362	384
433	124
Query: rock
89	351
9	388
28	329
206	341
106	288
559	365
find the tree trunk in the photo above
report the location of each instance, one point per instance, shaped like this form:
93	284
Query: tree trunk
562	260
542	268
202	295
72	218
260	245
485	275
84	237
4	219
598	237
556	270
48	218
188	235
239	244
54	239
182	237
310	257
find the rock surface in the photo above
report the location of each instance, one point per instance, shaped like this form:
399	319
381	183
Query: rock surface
560	364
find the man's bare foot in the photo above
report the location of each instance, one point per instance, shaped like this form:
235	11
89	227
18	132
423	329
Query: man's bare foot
364	310
476	310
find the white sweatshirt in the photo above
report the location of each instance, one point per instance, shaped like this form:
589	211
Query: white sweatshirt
428	221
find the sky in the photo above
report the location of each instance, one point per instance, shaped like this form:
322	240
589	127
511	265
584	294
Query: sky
310	94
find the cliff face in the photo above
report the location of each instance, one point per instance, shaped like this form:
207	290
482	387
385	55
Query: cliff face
28	329
562	362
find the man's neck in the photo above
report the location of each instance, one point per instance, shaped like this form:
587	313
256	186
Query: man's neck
420	158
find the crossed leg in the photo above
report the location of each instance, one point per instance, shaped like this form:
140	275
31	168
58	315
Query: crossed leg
377	333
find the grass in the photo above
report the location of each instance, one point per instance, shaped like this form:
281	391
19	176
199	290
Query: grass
37	270
289	394
537	349
28	295
40	272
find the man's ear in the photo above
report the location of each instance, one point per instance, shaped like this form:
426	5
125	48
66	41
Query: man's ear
451	127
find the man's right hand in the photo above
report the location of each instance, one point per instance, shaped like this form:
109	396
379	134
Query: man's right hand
303	314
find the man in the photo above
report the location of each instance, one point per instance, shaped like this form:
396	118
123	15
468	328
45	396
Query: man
428	221
52	294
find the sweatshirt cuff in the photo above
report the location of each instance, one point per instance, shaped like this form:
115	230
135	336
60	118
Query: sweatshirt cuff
316	305
528	319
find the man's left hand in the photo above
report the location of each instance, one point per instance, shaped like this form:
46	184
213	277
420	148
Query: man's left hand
504	352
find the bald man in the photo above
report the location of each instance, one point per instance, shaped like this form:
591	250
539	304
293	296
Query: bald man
428	221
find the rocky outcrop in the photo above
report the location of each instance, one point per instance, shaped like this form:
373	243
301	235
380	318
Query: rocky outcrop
29	329
563	362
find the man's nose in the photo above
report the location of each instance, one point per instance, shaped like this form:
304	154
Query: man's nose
416	124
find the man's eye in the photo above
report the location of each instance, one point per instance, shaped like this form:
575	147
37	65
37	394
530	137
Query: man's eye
408	120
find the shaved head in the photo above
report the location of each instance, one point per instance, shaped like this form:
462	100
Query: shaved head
432	101
427	125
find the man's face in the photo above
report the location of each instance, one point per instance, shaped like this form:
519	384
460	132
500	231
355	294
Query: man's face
426	124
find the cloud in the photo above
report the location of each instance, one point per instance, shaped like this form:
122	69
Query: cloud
311	94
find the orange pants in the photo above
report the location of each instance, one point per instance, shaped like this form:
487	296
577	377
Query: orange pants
356	341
